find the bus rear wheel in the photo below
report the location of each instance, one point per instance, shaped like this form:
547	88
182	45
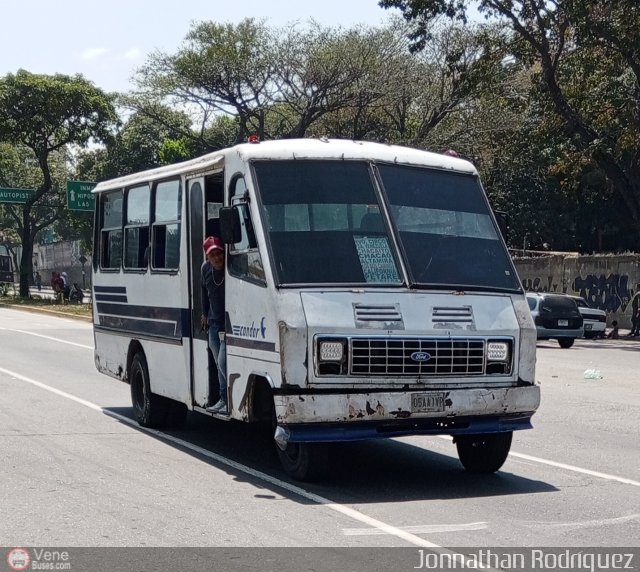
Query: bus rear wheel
149	409
484	453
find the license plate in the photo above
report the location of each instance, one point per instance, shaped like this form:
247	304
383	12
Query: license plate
588	326
427	402
563	322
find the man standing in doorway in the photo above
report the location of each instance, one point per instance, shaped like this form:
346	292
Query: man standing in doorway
213	317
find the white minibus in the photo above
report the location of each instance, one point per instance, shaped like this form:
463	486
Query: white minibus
369	294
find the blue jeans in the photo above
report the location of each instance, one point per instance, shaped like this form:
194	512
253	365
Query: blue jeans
219	350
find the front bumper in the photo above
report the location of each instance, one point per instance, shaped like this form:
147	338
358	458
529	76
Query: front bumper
554	333
593	326
349	417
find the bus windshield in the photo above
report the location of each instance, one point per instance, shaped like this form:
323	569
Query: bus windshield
445	229
325	226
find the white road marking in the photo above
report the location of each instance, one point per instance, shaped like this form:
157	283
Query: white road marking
540	460
48	338
573	468
379	526
56	391
374	523
598	523
577	469
419	529
345	510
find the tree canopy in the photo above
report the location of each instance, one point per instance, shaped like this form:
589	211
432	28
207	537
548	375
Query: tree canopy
587	62
543	97
46	115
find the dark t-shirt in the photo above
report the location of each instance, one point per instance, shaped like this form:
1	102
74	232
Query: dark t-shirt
213	295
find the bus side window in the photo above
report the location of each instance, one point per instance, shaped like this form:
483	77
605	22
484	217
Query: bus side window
136	230
244	257
165	239
111	230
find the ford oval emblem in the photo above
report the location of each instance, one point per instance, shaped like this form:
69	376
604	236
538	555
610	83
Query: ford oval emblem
420	356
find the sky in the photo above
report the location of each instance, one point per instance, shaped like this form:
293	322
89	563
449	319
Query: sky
107	40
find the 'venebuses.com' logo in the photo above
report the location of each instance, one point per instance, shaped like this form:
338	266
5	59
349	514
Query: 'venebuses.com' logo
18	559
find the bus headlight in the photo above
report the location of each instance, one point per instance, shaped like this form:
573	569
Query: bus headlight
498	357
497	351
331	351
331	356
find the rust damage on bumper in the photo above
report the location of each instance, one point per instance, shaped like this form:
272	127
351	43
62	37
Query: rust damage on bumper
381	406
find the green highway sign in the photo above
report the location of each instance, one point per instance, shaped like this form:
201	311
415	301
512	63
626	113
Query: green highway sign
15	195
79	197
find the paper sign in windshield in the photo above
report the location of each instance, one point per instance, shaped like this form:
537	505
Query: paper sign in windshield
376	259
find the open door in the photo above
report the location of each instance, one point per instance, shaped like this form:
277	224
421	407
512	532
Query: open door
199	349
205	201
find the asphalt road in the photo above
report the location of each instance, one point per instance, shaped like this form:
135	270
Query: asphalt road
76	471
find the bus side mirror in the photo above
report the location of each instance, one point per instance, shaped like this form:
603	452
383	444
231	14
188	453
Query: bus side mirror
503	224
230	229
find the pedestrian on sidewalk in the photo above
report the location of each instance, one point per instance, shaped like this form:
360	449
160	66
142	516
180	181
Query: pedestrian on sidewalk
57	284
38	281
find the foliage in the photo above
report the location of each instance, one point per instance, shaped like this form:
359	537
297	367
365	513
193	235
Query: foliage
47	115
588	74
544	98
221	68
314	80
137	146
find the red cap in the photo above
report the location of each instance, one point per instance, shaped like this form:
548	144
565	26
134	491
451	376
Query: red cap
212	243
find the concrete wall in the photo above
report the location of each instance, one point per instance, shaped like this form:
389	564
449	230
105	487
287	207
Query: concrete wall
609	282
62	257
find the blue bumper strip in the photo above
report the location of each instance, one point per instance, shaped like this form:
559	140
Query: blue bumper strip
329	432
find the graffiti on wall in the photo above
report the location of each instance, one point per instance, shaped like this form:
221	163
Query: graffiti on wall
610	293
538	285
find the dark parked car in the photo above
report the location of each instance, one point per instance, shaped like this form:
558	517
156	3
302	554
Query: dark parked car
556	317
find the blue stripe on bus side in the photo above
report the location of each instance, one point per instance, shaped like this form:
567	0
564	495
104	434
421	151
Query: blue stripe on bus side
111	298
133	311
140	326
251	344
147	320
110	289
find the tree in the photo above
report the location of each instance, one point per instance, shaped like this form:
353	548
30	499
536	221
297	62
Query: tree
565	39
322	71
46	115
138	145
220	69
279	83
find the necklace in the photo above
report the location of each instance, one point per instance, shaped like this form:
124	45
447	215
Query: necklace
214	279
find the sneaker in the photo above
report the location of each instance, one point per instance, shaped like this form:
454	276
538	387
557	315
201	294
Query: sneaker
220	407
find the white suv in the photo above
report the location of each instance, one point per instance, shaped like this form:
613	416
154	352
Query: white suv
595	320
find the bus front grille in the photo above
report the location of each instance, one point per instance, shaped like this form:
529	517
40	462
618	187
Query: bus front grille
417	356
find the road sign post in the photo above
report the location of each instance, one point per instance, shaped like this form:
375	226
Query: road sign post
79	197
15	195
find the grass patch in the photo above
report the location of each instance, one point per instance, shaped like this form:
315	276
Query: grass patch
46	304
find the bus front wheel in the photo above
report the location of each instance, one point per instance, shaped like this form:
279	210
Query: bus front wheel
149	409
304	461
484	453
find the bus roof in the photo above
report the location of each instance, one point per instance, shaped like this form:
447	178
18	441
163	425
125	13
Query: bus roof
293	149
